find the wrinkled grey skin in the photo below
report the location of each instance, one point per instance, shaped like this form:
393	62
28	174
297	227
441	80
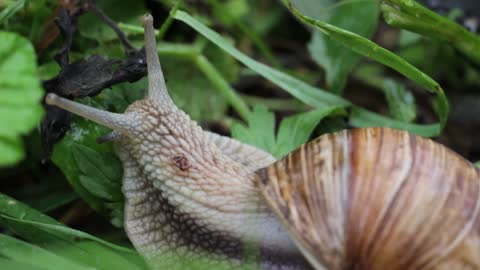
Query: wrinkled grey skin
191	197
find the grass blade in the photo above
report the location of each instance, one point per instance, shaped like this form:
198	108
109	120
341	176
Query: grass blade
375	52
314	96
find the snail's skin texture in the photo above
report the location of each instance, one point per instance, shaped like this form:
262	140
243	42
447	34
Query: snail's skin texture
191	201
190	193
378	199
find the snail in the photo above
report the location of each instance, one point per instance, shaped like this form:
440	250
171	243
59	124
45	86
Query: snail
370	198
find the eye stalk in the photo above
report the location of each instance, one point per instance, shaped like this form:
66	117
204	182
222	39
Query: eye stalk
157	89
124	123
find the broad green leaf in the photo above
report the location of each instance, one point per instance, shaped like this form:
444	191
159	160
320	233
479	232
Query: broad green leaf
21	251
52	235
191	91
104	258
373	51
316	97
56	255
92	169
297	129
400	101
47	202
293	131
260	131
477	164
20	94
82	132
12	208
98	187
99	172
72	243
337	60
25	265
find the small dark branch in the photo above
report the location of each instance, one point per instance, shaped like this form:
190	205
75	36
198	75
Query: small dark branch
121	36
67	25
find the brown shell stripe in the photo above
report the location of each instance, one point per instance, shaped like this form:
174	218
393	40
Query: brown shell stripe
378	199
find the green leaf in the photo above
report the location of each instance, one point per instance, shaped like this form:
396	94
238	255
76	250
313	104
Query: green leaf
82	132
10	264
92	169
14	208
296	130
400	101
69	243
22	252
20	94
477	164
99	257
412	16
192	91
68	233
51	201
293	131
97	182
260	131
373	51
337	60
99	173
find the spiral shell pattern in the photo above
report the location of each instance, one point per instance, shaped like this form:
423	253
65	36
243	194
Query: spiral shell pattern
378	198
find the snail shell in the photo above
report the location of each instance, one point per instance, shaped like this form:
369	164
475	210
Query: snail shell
378	198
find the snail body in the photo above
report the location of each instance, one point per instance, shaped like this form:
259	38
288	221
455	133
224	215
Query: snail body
363	199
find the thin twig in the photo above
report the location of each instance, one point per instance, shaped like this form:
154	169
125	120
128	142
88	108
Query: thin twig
123	39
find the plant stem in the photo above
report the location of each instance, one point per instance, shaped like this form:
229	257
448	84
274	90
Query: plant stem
222	85
133	29
169	20
410	15
178	49
277	104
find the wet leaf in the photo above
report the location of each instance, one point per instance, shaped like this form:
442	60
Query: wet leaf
260	129
293	131
20	95
337	60
400	101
